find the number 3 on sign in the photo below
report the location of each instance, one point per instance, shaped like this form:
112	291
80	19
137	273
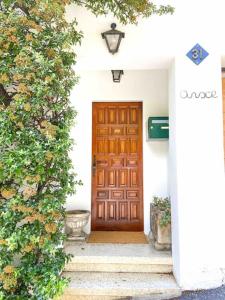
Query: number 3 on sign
197	54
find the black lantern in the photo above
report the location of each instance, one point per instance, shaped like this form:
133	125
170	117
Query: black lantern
117	75
113	38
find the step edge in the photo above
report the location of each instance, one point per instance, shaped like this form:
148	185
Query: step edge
122	260
122	292
113	268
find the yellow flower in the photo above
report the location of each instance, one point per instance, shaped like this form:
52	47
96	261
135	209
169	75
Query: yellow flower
49	156
9	283
37	178
35	11
30	219
12	117
51	53
29	192
27	107
3	242
13	29
17	97
50	131
48	79
8	193
45	123
17	77
22	88
29	76
50	228
29	38
42	240
4	78
38	28
20	125
28	248
9	269
22	60
6	46
14	207
28	178
12	106
23	20
22	208
40	218
33	179
13	39
56	215
66	1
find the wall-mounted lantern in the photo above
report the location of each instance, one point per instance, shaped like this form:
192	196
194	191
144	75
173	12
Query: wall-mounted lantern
113	38
116	74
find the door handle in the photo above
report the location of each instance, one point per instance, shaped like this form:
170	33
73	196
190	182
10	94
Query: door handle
94	164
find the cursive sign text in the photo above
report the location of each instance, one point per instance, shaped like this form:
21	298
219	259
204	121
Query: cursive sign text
198	95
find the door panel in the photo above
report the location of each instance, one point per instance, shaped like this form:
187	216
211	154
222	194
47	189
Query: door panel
117	181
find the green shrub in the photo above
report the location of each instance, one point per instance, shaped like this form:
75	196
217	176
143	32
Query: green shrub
36	173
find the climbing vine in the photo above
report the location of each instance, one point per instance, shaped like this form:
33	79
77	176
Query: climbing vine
36	173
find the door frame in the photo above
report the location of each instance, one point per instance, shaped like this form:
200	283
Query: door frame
141	187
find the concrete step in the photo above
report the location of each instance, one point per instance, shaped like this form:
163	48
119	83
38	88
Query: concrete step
110	286
117	258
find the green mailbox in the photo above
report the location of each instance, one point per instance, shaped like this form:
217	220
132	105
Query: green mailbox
158	128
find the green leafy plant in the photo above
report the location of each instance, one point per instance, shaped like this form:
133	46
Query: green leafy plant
164	206
36	172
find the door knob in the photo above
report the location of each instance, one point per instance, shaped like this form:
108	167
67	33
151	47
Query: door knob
94	164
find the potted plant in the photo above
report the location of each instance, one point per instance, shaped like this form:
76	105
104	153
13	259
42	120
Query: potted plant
161	223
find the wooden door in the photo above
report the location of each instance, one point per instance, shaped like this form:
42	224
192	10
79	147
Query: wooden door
117	183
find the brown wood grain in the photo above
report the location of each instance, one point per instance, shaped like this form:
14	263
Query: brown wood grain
117	180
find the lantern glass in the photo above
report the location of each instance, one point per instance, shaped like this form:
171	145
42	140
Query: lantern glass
113	38
117	75
113	41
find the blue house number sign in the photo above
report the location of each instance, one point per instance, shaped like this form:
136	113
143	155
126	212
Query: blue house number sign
197	54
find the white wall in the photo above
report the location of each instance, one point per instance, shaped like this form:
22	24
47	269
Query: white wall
151	87
155	41
172	176
197	173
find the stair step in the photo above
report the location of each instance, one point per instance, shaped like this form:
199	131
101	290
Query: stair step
109	286
117	258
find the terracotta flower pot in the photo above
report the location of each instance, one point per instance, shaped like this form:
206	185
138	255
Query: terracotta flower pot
75	222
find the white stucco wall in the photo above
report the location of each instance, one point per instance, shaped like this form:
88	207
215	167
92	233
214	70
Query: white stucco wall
151	87
154	42
197	173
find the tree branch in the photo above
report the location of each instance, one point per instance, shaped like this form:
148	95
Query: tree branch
22	8
5	96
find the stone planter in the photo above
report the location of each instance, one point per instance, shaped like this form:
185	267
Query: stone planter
161	236
75	222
